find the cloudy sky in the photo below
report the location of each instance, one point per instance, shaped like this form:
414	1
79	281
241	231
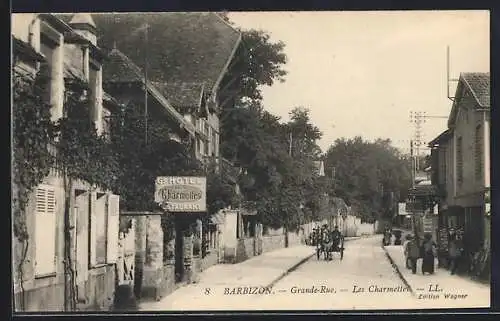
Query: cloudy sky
361	73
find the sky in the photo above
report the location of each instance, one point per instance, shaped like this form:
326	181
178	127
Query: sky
361	73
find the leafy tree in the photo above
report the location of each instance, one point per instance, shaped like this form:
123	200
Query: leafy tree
371	176
258	61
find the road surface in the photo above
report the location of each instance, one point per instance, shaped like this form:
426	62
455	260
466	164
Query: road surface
353	283
364	279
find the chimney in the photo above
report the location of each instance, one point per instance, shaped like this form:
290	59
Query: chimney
84	25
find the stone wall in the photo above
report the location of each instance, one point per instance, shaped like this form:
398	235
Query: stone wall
98	294
295	238
209	260
271	243
99	289
245	249
48	299
149	242
168	281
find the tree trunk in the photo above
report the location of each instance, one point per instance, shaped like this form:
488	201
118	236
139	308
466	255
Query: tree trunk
69	259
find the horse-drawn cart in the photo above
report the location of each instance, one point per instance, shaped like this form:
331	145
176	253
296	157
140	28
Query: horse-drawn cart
328	246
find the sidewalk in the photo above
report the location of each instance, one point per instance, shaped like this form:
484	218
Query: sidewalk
258	271
474	293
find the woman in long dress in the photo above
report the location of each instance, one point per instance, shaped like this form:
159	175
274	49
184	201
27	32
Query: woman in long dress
428	254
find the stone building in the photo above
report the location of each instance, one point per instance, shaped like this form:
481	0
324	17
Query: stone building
61	256
461	164
186	56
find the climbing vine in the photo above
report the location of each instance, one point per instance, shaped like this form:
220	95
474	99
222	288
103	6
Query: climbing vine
81	151
32	133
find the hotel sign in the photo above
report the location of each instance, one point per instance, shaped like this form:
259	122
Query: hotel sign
181	193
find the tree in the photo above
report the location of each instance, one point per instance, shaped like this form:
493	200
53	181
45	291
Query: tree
372	176
258	61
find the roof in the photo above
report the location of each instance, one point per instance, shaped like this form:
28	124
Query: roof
191	47
440	138
23	48
73	72
82	18
120	68
181	95
479	85
110	100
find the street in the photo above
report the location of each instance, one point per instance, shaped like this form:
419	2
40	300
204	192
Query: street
364	267
364	279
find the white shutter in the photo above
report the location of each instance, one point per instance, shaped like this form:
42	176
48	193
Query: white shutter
92	230
45	230
113	228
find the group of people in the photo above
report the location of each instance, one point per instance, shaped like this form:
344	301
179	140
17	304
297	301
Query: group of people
322	235
415	249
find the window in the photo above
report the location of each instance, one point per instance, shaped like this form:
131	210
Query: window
460	170
214	143
50	47
478	152
47	67
201	146
443	161
106	125
104	229
45	231
95	96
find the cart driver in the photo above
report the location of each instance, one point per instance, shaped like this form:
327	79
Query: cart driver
336	235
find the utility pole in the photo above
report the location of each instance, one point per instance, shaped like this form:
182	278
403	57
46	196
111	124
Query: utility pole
146	32
418	118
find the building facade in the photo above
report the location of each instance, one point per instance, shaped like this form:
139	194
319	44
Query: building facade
72	227
461	157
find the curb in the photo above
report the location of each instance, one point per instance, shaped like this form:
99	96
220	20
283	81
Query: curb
290	270
296	265
398	272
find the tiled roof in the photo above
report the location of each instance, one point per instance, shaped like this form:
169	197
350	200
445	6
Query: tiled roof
479	84
188	47
181	95
119	68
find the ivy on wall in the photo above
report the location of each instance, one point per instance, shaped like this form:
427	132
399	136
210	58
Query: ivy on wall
82	152
32	133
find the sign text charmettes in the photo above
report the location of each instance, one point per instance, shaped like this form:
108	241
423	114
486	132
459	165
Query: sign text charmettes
181	193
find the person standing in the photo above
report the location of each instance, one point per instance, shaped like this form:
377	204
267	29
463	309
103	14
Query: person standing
413	253
405	250
454	252
429	250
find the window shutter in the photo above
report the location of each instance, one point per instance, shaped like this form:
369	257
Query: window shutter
92	230
113	228
45	230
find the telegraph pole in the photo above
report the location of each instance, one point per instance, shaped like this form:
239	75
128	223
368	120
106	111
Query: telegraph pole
146	83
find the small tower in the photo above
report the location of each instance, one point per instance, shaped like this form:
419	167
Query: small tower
85	26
